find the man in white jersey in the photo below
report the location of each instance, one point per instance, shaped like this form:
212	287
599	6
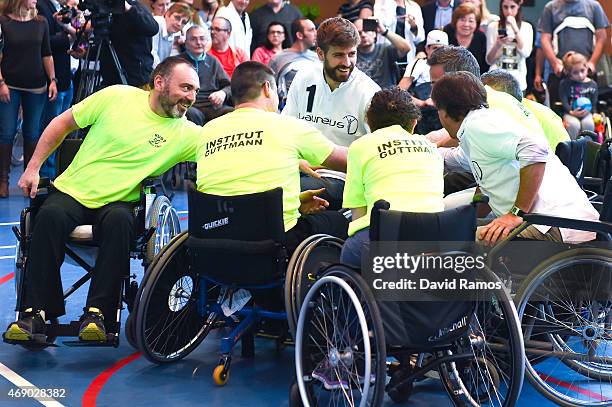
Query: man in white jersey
335	98
511	164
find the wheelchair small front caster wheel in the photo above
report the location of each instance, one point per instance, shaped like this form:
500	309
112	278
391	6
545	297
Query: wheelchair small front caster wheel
220	375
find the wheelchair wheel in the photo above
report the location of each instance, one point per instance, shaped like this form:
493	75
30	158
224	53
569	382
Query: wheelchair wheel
340	347
308	260
566	305
129	330
168	322
492	373
164	219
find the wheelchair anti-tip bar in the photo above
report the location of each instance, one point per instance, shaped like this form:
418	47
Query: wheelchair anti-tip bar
603	228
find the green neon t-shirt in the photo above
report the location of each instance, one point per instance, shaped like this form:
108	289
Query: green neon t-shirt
250	150
551	123
127	143
392	164
516	110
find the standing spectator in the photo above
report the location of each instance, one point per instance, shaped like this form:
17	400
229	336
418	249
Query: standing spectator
437	14
60	44
418	82
354	9
571	26
463	30
486	17
542	66
215	93
378	60
404	18
510	41
289	61
274	10
242	33
577	85
273	44
131	34
27	79
208	11
159	7
229	57
170	26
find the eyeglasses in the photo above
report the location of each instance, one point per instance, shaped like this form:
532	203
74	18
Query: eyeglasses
277	32
219	29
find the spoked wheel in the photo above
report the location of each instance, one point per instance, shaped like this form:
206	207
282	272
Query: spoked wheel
165	220
304	267
130	331
565	306
340	352
491	371
168	323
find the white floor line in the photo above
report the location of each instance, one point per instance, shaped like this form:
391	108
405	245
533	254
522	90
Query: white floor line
181	212
6	257
26	386
9	223
8	247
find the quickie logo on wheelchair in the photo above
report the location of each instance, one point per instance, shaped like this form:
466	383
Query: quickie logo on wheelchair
216	223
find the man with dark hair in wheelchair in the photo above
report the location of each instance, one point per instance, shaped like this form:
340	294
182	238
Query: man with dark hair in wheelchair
255	149
513	166
134	135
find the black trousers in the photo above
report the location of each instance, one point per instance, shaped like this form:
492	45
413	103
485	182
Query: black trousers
329	222
55	220
334	188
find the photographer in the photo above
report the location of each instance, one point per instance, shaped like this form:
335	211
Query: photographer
131	34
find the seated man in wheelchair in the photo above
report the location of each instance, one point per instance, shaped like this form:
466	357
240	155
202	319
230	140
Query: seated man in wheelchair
391	164
254	149
514	167
134	135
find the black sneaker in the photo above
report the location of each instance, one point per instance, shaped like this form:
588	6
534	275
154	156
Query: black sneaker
29	327
92	326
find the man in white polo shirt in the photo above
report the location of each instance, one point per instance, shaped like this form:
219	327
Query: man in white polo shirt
334	99
513	166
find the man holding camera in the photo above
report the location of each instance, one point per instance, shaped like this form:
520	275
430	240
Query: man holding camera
130	32
377	59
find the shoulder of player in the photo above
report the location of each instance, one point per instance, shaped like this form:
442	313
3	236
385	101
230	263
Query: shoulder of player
364	83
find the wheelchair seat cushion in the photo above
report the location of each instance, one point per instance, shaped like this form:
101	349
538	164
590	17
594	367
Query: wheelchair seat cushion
82	233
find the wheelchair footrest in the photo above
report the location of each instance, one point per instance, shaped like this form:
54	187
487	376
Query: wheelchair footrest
31	344
111	341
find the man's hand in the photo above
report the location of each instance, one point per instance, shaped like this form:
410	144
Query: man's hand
29	182
217	98
5	93
52	91
537	83
591	67
499	228
311	203
558	67
309	170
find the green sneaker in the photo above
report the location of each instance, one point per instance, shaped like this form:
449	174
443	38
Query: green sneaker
92	326
29	327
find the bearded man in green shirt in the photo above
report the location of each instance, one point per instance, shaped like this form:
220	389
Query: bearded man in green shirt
134	134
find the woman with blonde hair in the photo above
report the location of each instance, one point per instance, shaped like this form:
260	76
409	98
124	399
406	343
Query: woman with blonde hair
27	79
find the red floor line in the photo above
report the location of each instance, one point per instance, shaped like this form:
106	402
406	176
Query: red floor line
573	388
6	278
91	394
183	218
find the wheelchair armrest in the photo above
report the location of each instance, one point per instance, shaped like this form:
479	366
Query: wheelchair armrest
555	221
234	246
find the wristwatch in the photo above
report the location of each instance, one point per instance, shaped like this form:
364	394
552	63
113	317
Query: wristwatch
384	34
516	211
54	79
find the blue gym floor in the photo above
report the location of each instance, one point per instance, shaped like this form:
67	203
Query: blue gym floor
120	376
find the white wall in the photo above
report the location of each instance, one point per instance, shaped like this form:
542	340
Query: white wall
531	14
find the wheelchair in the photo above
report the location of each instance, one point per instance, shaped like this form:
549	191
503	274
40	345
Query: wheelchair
156	224
370	347
563	294
229	272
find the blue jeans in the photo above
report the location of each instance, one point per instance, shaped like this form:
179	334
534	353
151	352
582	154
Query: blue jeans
32	105
50	112
353	247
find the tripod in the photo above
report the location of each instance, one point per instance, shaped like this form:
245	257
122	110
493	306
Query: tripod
91	77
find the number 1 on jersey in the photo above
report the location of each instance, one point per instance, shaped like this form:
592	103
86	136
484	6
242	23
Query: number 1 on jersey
311	94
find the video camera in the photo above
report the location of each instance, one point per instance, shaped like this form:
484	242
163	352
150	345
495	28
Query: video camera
100	12
68	14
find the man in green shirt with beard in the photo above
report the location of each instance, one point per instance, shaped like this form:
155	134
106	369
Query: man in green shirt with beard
134	135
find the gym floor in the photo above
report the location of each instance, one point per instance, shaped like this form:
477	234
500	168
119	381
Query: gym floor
121	376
